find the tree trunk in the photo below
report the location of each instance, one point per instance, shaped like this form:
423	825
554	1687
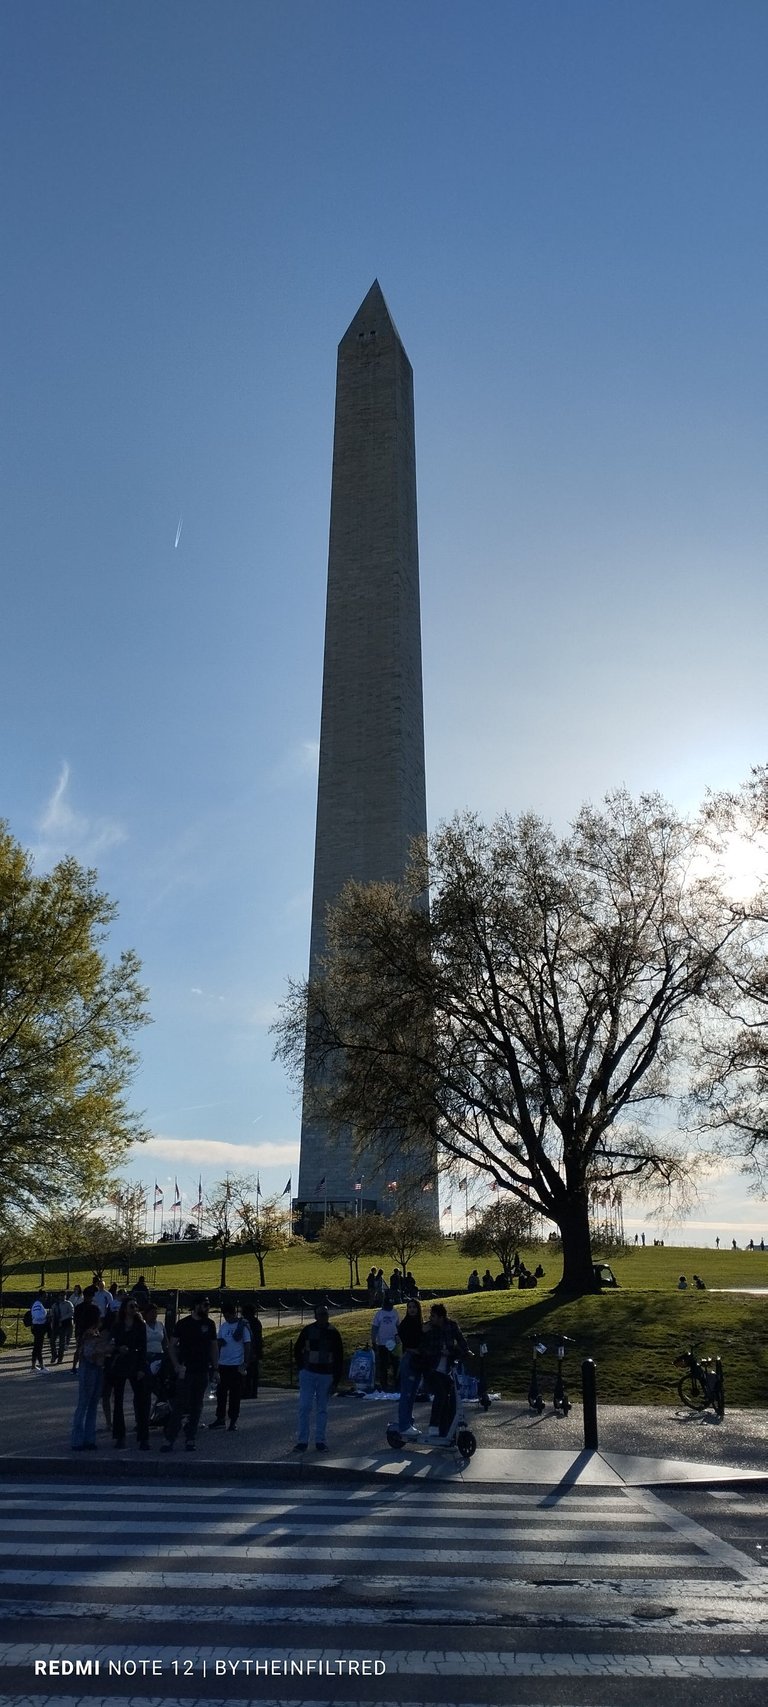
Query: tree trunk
357	1271
223	1275
260	1261
350	1260
573	1221
42	1274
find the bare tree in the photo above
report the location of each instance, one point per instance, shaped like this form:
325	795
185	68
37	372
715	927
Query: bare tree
262	1225
534	1021
731	1094
220	1218
407	1232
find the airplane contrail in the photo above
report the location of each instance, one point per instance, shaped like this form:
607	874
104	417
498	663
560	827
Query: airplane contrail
178	533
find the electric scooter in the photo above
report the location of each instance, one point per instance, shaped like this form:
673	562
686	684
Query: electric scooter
459	1438
560	1399
535	1398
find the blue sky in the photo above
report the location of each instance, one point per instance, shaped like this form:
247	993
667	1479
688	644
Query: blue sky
566	208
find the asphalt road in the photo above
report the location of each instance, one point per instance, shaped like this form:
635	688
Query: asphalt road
589	1597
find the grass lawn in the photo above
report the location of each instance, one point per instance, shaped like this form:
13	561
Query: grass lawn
653	1269
633	1337
632	1334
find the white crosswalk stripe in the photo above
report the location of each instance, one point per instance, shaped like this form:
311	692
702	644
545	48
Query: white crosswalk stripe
479	1593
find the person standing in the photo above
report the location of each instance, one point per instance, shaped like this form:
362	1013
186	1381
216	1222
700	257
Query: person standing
319	1354
445	1344
129	1363
93	1347
62	1316
158	1353
251	1382
194	1354
234	1343
410	1332
102	1298
78	1323
385	1344
38	1320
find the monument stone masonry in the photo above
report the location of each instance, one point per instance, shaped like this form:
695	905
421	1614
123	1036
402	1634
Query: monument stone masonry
371	798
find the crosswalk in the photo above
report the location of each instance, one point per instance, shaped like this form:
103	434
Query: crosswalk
357	1592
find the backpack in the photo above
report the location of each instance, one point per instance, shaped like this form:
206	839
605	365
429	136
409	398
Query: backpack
362	1370
27	1318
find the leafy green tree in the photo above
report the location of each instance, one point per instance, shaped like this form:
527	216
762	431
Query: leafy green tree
67	1020
14	1244
534	1020
351	1237
67	1232
500	1231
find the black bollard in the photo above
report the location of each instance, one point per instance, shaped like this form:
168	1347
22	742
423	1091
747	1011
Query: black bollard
589	1400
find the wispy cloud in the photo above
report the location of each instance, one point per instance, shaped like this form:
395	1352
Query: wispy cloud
298	763
215	1152
63	830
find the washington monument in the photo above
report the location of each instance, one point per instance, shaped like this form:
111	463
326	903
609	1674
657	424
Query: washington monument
371	797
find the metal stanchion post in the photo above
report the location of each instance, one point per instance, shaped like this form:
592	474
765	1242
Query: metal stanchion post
589	1400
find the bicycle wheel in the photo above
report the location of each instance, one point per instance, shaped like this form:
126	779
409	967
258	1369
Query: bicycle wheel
691	1393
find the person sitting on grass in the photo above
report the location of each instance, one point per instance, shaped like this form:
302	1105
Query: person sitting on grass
682	1285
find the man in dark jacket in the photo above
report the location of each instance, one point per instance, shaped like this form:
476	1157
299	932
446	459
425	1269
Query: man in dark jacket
443	1344
319	1355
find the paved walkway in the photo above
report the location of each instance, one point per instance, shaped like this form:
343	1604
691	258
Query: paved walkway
639	1445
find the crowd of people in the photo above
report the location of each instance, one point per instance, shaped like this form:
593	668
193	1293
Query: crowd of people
121	1342
516	1271
406	1348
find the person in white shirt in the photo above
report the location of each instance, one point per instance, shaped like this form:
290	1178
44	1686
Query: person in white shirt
39	1315
234	1342
102	1299
386	1344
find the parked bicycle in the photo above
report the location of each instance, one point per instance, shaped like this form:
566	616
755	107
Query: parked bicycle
702	1384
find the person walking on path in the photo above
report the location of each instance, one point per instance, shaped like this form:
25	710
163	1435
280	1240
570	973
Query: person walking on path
319	1355
194	1354
385	1343
129	1363
38	1319
410	1332
234	1343
251	1382
94	1344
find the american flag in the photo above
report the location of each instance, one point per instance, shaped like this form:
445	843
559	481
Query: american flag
177	1199
158	1196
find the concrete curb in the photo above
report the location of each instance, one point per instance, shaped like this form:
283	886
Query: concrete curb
443	1471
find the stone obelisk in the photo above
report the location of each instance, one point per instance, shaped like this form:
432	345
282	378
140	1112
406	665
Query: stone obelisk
371	799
